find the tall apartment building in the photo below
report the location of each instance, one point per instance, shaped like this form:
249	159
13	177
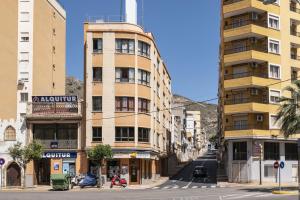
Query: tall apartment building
127	95
32	63
259	56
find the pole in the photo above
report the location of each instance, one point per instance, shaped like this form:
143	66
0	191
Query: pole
260	181
1	178
279	178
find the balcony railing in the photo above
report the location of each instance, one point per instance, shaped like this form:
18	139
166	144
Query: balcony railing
258	99
295	57
245	74
293	8
295	33
227	2
262	23
53	109
244	48
245	127
59	144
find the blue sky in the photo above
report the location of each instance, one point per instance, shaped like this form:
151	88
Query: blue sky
186	31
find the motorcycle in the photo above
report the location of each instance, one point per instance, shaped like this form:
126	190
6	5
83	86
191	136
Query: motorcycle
75	180
117	181
89	180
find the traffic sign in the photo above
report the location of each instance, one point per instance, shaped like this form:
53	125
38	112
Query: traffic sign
281	164
2	161
276	164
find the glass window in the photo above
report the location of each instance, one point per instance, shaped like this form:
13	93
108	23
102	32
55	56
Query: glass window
24	36
144	134
144	49
273	122
144	105
125	104
291	151
125	46
274	96
240	151
274	46
97	45
10	134
24	56
97	74
144	77
271	151
97	134
97	104
125	75
124	134
274	71
24	97
24	76
24	16
273	21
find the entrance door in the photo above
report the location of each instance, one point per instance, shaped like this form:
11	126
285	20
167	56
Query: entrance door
66	168
134	172
43	172
13	175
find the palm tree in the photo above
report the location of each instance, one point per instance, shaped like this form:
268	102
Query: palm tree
289	115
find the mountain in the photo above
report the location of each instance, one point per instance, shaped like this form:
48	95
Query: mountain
74	86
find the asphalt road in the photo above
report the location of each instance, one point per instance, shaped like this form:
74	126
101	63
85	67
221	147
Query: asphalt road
150	194
184	179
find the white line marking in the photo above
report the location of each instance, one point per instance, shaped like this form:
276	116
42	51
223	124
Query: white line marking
203	186
243	196
176	187
185	187
213	186
194	187
174	181
265	195
166	187
230	195
154	188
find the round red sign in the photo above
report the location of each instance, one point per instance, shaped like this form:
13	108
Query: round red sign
276	164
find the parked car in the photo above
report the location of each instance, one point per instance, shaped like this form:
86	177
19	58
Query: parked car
200	171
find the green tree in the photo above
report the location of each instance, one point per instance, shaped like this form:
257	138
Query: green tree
22	155
97	155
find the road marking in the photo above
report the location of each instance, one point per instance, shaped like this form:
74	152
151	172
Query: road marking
166	187
175	187
185	187
154	188
203	186
213	186
265	195
174	181
194	187
243	196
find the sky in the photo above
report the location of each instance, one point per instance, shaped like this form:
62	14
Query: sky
186	32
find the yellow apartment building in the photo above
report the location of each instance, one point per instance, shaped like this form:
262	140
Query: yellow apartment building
127	99
259	57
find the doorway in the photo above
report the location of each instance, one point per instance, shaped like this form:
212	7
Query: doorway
43	171
134	171
13	175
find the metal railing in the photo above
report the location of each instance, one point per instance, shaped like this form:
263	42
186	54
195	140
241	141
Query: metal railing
37	108
227	2
244	48
293	8
105	18
258	99
295	33
245	74
295	57
245	127
59	144
246	22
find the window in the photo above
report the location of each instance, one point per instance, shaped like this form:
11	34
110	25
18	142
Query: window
274	71
158	90
24	97
125	104
97	104
97	45
291	151
144	134
144	49
239	151
97	134
124	134
144	77
273	122
24	76
158	114
10	134
157	140
125	75
271	151
125	46
24	16
274	96
144	105
274	46
24	37
269	171
97	74
273	22
24	56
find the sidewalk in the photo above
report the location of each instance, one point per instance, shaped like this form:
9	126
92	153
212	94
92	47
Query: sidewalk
256	184
106	187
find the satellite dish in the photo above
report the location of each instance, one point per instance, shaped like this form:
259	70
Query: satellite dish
271	1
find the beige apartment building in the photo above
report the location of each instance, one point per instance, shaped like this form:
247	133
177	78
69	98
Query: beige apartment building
33	37
259	57
127	99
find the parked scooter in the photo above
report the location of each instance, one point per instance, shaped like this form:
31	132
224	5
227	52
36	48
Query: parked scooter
89	180
76	179
117	181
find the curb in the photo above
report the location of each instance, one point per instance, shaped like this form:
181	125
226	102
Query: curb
285	192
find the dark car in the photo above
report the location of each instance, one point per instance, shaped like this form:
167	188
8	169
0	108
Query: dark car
200	171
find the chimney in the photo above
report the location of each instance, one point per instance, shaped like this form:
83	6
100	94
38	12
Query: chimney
131	11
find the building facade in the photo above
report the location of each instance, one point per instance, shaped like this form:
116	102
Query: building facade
32	63
127	95
258	58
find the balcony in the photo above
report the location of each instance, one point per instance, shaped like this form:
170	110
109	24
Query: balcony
244	127
245	23
227	2
259	19
37	110
59	144
258	99
294	32
243	48
293	8
248	121
248	44
246	70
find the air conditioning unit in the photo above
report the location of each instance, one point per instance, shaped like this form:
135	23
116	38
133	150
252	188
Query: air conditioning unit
259	118
254	91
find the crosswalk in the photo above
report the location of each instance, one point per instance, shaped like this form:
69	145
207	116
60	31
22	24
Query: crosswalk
174	186
246	196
